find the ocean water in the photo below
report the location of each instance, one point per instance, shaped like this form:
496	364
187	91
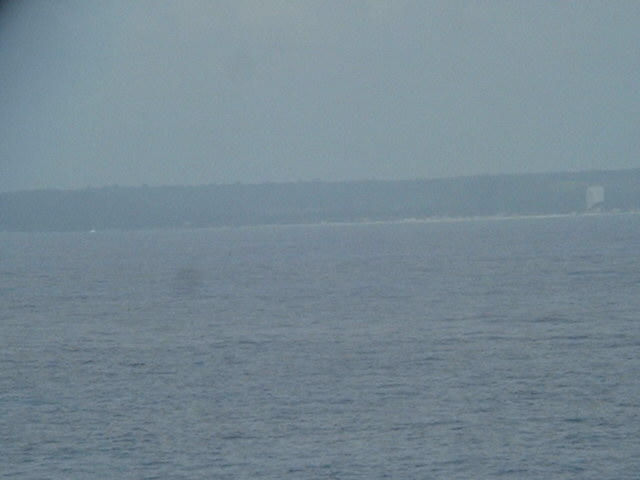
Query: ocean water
475	349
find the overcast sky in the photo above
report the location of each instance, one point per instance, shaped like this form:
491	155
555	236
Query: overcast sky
159	92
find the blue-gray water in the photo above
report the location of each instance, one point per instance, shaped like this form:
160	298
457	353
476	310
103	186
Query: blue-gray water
477	349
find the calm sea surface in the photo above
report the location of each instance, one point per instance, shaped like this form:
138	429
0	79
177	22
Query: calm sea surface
476	349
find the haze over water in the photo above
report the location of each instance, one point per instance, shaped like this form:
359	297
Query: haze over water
476	349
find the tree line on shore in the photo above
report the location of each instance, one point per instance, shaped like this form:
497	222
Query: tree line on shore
145	207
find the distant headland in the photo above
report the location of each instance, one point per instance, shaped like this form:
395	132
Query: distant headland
146	207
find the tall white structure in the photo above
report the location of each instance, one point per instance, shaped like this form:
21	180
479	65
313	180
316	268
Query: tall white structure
595	198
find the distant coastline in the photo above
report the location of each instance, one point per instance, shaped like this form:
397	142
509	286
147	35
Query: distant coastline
487	218
451	199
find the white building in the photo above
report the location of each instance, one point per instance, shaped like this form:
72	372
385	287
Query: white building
594	198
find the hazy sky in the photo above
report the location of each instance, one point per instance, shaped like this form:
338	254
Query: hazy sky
104	92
